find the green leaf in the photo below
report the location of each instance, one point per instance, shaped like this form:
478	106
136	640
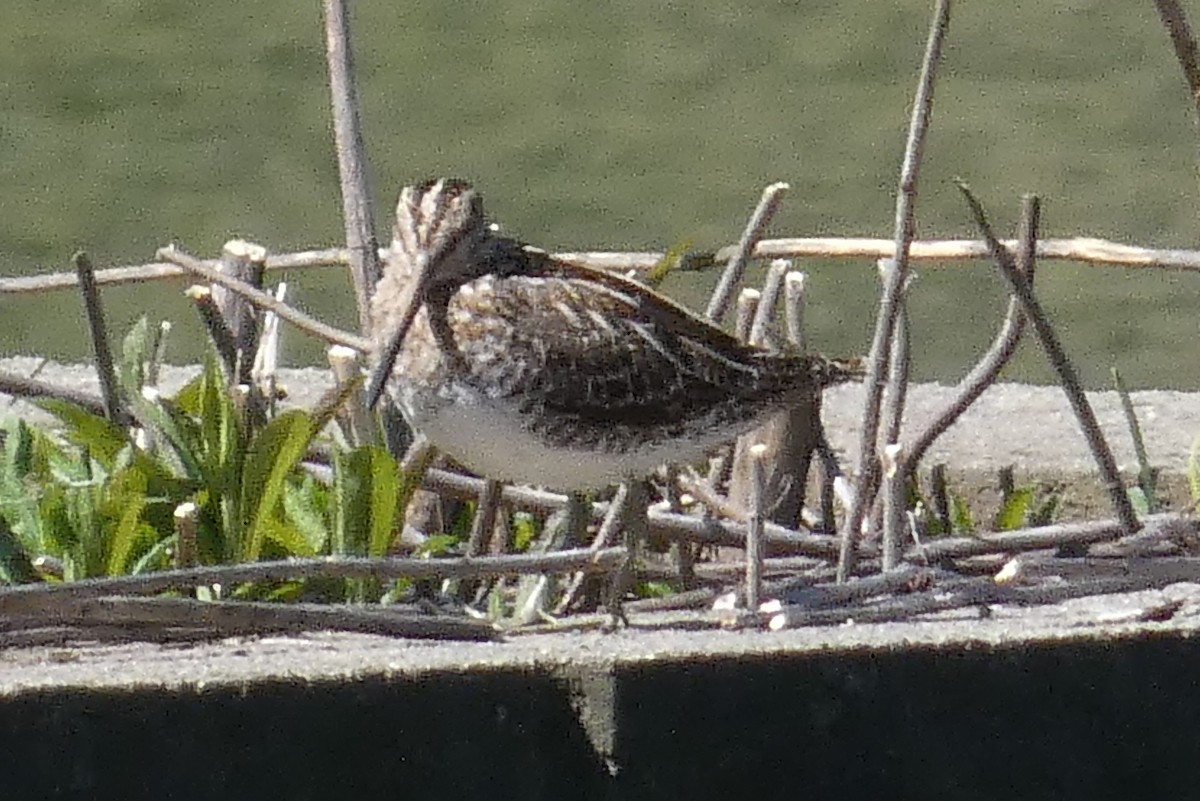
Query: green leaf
24	470
1139	500
134	350
273	455
385	501
180	432
129	494
668	262
301	505
655	589
1014	511
1046	510
960	516
437	545
525	531
18	448
99	436
286	538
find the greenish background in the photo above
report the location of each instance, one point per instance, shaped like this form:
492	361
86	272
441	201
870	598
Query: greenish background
633	124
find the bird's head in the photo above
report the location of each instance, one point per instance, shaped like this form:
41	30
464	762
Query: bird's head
438	241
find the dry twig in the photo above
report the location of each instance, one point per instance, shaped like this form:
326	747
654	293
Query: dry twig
265	301
357	212
718	305
890	305
109	390
1022	289
35	599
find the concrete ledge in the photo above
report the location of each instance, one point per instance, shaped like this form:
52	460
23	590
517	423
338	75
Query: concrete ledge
1089	698
1079	699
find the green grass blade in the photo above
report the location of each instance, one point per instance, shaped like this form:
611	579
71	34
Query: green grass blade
385	501
134	350
1015	510
101	437
273	455
303	506
129	494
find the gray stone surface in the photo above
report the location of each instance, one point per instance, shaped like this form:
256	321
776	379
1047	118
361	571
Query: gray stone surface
345	657
1011	424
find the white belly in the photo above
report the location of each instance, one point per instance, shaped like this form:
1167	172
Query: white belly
489	438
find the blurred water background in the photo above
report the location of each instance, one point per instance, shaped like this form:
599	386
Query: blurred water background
622	125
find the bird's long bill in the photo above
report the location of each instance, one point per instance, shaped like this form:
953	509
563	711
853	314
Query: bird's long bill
387	357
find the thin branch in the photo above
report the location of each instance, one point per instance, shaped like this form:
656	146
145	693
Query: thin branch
22	387
154	618
813	595
34	599
969	593
265	301
984	374
1022	289
889	308
1055	536
758	502
895	495
718	305
1175	21
764	314
485	517
895	499
218	330
109	390
933	252
357	211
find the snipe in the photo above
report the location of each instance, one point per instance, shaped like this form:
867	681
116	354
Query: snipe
527	369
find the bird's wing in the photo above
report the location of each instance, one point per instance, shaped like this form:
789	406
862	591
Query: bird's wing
598	349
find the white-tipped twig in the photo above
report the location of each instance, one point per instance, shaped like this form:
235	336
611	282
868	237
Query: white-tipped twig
187	516
765	313
718	304
793	303
244	261
264	371
346	365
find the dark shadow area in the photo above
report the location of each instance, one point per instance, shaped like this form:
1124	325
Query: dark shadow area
1115	721
479	736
